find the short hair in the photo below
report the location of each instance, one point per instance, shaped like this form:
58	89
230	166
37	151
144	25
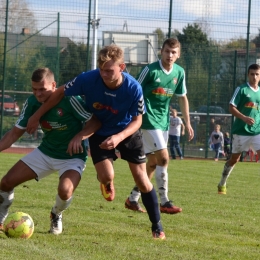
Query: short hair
253	67
42	73
174	110
172	42
110	52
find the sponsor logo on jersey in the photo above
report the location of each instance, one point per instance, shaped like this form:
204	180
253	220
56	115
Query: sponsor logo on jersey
59	112
175	81
251	105
248	95
158	80
100	106
163	92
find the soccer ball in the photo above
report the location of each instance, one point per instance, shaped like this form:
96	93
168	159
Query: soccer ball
19	225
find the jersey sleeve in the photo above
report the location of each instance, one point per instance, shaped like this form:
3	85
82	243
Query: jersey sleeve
79	109
236	97
143	76
75	86
181	89
25	114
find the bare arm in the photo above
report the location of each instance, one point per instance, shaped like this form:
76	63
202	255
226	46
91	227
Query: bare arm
11	137
112	141
184	105
89	129
53	100
182	129
234	111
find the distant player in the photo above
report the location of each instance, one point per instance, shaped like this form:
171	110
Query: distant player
245	107
59	125
116	99
160	80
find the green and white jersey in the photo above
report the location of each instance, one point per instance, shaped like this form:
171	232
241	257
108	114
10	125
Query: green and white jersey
60	125
159	86
247	102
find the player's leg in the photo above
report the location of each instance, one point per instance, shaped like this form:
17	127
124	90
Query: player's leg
161	171
132	151
149	197
240	143
18	174
103	162
70	172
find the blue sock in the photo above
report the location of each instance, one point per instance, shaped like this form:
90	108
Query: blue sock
151	204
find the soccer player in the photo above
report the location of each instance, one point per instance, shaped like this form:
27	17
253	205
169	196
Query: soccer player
245	107
59	125
116	99
160	80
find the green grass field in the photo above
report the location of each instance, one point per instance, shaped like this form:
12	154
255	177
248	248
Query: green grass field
211	226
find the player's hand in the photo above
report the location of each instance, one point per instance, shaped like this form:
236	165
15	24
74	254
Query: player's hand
75	145
249	120
110	143
32	124
190	132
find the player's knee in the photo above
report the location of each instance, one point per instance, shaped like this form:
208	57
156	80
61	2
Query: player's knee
163	161
65	192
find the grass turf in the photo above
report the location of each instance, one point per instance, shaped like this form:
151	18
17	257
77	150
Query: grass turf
211	226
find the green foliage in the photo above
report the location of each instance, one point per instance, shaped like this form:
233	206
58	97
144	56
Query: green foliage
73	61
211	226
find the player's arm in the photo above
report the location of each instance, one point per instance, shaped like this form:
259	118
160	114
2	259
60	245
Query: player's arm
184	106
112	141
53	100
234	111
11	137
91	126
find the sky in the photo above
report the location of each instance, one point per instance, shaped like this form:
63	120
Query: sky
226	18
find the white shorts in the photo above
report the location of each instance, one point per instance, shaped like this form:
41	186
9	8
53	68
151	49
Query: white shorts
242	143
44	165
154	140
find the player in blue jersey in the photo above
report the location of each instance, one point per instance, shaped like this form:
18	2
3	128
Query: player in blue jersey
59	125
116	99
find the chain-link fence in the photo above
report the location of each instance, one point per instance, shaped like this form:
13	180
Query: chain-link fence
219	40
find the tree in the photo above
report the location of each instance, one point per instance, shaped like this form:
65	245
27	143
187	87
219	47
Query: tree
161	36
256	40
192	35
19	16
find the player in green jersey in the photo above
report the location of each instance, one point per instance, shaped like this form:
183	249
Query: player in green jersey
245	107
59	125
160	80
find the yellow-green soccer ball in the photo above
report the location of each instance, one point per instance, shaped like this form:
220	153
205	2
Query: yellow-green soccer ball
19	225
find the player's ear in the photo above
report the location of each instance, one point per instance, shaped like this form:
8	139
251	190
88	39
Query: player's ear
53	84
122	66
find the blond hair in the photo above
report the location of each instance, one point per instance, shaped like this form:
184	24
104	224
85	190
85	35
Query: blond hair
110	52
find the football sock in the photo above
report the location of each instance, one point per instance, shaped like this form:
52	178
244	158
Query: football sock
61	205
161	175
225	174
150	202
6	199
135	194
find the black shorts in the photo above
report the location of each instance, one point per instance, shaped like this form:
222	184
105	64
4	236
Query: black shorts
131	149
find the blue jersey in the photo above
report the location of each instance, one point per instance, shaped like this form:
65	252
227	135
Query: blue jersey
113	107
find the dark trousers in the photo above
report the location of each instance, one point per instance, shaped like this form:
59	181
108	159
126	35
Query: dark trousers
175	143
